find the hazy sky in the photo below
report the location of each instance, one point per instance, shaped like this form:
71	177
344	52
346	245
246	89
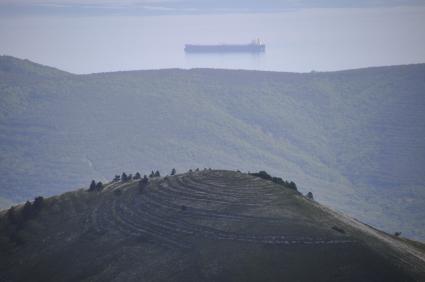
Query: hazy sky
110	35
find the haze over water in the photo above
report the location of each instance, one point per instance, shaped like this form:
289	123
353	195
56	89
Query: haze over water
299	40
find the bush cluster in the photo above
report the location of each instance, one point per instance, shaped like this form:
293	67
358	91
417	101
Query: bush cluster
95	187
16	217
264	175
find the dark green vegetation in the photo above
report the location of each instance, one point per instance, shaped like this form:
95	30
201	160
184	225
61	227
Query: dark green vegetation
206	225
278	180
353	138
15	219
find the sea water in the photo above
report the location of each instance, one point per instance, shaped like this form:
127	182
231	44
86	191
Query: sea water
296	40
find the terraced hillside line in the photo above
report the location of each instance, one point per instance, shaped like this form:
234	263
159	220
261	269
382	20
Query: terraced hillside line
244	186
193	193
136	226
178	225
112	217
187	228
173	191
152	200
176	182
241	185
156	214
236	191
187	199
98	220
249	199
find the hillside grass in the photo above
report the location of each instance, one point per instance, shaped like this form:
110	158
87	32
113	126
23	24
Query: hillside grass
143	232
353	138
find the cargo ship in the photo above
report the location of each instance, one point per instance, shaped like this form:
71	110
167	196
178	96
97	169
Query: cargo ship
256	46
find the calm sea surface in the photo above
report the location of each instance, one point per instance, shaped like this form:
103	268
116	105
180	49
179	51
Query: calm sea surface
299	40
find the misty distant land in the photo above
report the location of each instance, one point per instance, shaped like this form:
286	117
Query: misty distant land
353	138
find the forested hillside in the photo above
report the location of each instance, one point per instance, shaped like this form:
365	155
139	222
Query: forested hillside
354	138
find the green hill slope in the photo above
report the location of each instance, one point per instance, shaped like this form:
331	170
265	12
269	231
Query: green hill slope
210	225
354	138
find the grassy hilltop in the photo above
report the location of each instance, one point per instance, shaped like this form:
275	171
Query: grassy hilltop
354	138
209	225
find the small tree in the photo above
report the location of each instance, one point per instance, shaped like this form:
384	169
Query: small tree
142	183
310	196
124	177
152	174
137	176
293	186
99	186
27	211
92	186
38	203
117	178
173	171
157	174
12	216
262	174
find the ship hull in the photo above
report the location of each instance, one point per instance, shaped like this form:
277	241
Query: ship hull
246	48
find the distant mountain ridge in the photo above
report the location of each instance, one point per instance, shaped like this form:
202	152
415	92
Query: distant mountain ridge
354	138
185	7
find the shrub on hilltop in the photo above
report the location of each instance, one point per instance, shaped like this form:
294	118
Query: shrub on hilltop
99	186
142	183
310	196
264	175
95	186
92	186
16	217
